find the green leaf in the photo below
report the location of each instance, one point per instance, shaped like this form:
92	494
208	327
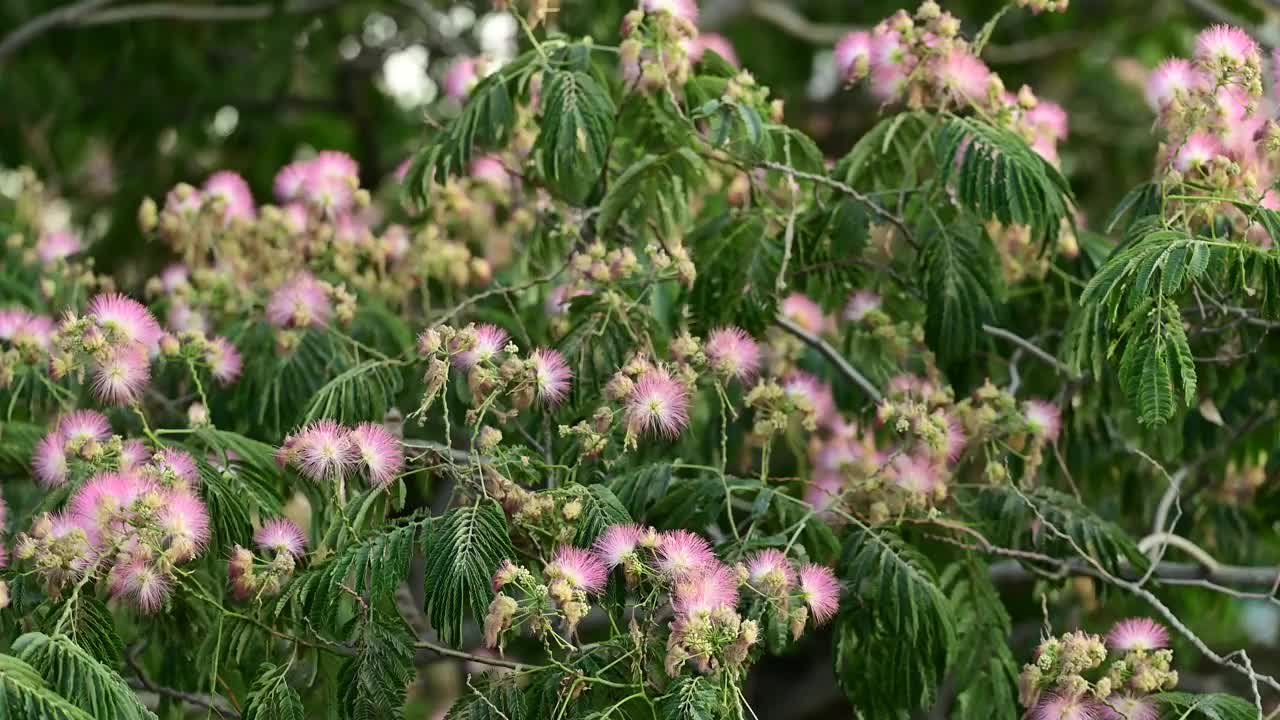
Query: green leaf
896	631
464	551
496	698
889	155
373	682
737	256
271	697
959	268
577	127
690	698
24	694
1214	706
363	391
653	189
89	625
76	675
981	663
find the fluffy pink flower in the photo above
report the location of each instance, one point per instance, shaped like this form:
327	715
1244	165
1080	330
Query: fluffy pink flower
296	218
820	591
560	296
861	303
1170	79
953	440
823	490
324	450
281	536
685	9
551	376
681	553
1138	634
302	301
1061	707
1198	149
801	386
658	405
616	543
490	169
184	318
57	245
1049	118
223	359
490	340
185	522
142	585
463	75
714	42
36	331
105	495
11	319
84	425
917	475
133	454
733	353
1044	418
379	451
1226	46
804	312
770	568
234	192
837	453
179	464
1129	707
290	180
580	568
853	55
713	588
964	74
122	376
49	460
128	317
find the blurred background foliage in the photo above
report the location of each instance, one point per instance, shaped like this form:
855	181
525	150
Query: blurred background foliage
111	101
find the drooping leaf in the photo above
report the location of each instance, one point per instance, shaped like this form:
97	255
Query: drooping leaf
464	551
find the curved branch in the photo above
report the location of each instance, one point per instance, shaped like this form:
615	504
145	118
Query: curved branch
1030	347
43	23
830	353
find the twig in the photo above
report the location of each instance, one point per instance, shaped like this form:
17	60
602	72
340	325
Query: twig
213	703
201	13
889	217
498	291
1030	347
793	23
43	23
462	655
817	343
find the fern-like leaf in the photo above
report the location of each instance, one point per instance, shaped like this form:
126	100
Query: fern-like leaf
464	551
577	126
961	286
24	694
271	697
1213	706
77	676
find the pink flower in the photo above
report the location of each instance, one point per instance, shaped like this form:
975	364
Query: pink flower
133	454
580	568
953	440
302	301
802	387
733	353
128	317
1170	79
1196	151
551	376
49	460
964	74
1045	419
84	425
324	450
1129	707
1226	46
223	359
122	376
713	588
1138	634
491	170
234	192
36	331
804	312
55	246
11	319
185	522
177	464
105	495
861	303
823	490
853	55
463	75
140	584
820	591
296	217
281	536
1049	118
183	200
714	42
290	180
917	475
770	569
560	296
1061	707
183	318
380	453
490	340
616	543
684	9
658	405
681	553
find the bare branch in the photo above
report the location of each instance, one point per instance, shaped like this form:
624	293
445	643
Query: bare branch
830	353
43	23
1032	348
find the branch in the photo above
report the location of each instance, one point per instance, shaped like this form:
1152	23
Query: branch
1030	347
850	372
202	13
214	703
42	23
793	23
892	219
1227	576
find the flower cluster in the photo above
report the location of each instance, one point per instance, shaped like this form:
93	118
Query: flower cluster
132	527
1055	686
680	572
327	452
1221	138
114	340
281	543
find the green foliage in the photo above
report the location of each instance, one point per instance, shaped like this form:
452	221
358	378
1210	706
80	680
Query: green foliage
77	676
889	155
364	390
738	255
896	628
981	663
272	698
577	125
962	288
996	175
24	694
495	698
373	682
652	194
1213	706
690	698
828	243
463	552
89	625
